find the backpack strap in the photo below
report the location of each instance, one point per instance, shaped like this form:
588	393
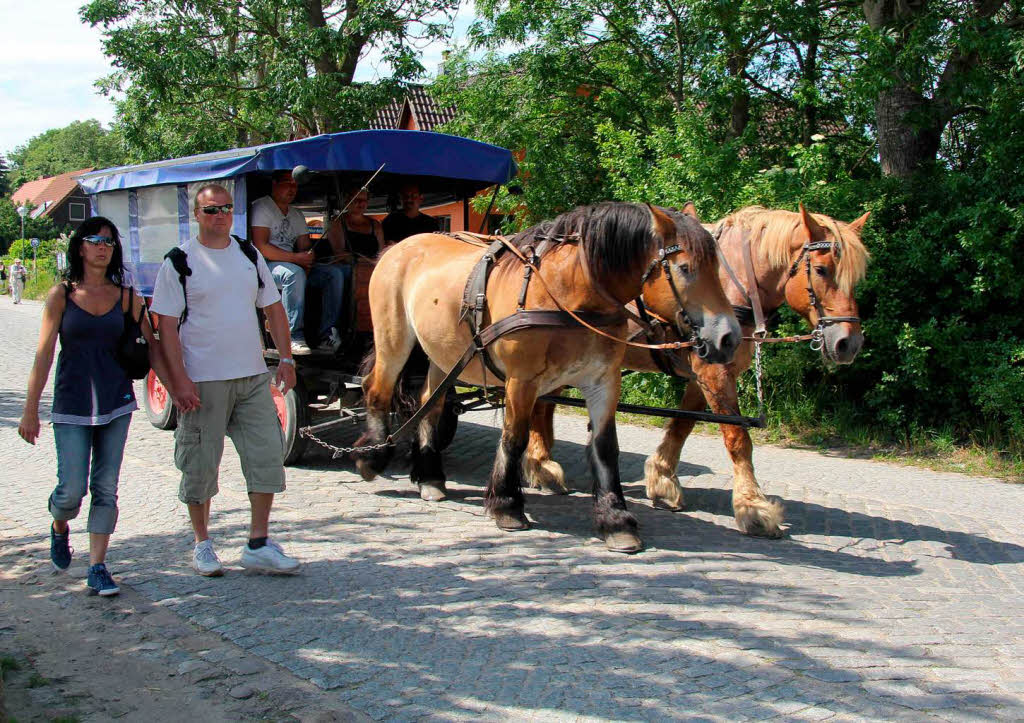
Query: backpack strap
250	253
179	260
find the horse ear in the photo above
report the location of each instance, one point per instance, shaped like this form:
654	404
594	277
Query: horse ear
661	223
813	229
857	225
689	209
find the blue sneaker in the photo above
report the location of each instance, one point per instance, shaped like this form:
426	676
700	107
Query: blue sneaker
60	550
100	582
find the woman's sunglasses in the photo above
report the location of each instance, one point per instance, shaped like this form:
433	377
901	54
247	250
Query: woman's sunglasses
97	240
225	209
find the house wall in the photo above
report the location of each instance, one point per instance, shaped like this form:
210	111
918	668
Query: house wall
61	215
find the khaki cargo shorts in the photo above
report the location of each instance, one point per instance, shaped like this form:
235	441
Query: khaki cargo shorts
243	410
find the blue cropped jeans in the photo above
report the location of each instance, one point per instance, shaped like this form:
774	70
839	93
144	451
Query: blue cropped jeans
292	280
76	444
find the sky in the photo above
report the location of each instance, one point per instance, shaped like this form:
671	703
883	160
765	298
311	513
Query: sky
50	62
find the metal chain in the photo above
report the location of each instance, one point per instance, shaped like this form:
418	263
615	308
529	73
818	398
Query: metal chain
337	452
757	377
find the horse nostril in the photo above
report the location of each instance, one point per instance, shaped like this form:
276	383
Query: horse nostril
728	341
842	346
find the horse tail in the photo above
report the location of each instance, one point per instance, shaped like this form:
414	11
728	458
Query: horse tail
405	400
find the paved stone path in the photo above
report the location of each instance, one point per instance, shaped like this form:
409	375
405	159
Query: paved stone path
897	594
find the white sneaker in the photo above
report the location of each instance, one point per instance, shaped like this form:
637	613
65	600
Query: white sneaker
333	342
269	558
205	560
299	347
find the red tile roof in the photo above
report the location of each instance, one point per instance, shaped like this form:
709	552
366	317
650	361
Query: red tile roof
48	193
426	114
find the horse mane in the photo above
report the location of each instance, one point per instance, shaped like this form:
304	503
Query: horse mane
616	236
771	234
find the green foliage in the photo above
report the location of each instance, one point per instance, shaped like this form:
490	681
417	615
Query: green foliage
208	75
5	181
81	144
10	226
775	104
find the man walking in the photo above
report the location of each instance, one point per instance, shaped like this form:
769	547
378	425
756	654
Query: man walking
211	286
18	274
279	232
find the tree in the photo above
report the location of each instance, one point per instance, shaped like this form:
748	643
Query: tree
212	74
932	62
10	226
82	144
5	186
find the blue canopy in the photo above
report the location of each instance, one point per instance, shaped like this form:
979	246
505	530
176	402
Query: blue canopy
412	153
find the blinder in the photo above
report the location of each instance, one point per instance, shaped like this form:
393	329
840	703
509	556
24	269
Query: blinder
818	339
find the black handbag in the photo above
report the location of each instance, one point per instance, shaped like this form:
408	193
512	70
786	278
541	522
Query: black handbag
132	350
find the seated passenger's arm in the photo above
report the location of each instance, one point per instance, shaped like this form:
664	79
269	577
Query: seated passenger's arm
261	240
302	243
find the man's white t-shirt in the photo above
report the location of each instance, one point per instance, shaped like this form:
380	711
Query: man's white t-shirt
284	228
221	338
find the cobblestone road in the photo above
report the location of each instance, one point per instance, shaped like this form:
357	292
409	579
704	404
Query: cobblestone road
897	594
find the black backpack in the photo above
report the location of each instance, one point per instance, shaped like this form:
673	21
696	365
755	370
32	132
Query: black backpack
179	260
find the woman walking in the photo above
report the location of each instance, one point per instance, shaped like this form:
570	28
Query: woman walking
93	398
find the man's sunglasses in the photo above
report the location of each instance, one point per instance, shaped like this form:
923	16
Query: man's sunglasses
97	240
212	210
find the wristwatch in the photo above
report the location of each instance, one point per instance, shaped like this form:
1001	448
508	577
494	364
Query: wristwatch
287	360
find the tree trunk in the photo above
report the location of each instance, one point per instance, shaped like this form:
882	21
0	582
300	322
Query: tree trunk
739	109
909	131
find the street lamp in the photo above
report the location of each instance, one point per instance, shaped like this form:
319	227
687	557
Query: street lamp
23	212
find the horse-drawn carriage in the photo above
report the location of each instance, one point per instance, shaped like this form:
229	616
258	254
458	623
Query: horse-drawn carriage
605	278
151	203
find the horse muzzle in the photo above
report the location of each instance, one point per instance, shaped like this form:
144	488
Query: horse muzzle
719	339
841	343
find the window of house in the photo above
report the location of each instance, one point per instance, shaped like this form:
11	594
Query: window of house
76	211
444	223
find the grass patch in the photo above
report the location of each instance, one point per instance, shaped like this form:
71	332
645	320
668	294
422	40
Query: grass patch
8	663
37	681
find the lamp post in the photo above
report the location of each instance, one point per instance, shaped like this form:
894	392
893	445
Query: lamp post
23	212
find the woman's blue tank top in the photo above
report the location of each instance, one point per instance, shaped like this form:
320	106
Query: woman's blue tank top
90	388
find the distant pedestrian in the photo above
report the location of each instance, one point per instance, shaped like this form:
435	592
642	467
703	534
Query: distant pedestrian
93	398
18	274
3	278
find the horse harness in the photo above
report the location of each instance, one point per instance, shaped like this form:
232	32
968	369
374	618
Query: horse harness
474	302
754	313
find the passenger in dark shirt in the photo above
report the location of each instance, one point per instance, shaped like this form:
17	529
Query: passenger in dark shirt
409	221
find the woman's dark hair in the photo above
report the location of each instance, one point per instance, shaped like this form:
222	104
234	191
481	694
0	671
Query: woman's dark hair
91	227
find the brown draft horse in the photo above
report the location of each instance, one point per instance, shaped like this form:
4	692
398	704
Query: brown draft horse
592	259
779	242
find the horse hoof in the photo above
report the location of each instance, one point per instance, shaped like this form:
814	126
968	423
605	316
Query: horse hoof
510	522
431	493
667	504
366	470
624	542
760	518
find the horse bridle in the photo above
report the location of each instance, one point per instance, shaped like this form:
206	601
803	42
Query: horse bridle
818	335
682	319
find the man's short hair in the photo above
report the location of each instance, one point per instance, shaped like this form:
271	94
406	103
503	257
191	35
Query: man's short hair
278	176
209	187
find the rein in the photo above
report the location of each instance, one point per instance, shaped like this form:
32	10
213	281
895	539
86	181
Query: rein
535	270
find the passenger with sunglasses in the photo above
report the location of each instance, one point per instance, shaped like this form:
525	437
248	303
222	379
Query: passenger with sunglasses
219	379
279	232
93	398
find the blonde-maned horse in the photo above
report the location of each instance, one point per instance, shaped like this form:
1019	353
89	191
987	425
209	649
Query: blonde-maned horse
592	259
781	245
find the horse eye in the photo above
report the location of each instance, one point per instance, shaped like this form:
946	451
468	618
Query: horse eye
684	269
822	271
